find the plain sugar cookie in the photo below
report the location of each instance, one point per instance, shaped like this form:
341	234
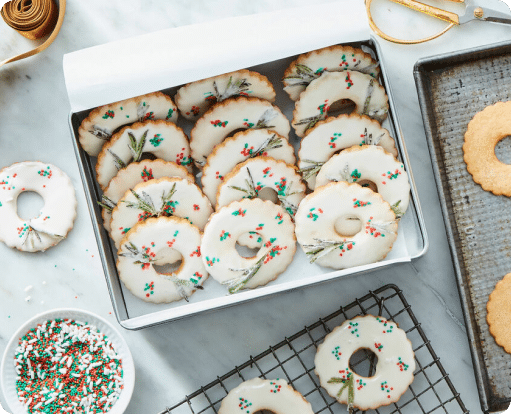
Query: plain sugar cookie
314	104
195	98
101	123
499	313
230	116
57	215
312	65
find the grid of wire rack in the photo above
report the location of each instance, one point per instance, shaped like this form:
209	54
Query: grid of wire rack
293	359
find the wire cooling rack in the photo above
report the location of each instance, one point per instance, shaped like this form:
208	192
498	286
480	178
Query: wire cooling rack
293	360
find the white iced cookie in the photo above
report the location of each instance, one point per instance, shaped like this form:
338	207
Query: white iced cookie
229	116
160	138
133	174
259	395
394	370
335	134
247	179
312	65
366	93
100	124
56	217
266	219
163	197
370	163
195	98
241	147
362	213
153	242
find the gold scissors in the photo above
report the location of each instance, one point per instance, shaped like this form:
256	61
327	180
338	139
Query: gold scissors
472	12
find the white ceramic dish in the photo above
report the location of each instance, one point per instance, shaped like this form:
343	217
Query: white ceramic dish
8	374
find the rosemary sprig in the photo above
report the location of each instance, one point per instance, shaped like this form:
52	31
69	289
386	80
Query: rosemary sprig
165	198
31	232
119	163
304	76
347	383
101	133
311	121
311	170
144	202
250	191
288	206
135	147
232	89
397	211
107	203
180	284
236	284
324	247
269	144
142	110
265	118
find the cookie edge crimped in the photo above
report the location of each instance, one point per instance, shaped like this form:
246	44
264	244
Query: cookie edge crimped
501	284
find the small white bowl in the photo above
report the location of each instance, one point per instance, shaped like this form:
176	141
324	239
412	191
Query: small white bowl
8	373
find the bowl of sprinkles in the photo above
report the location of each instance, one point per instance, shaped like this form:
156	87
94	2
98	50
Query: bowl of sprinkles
67	361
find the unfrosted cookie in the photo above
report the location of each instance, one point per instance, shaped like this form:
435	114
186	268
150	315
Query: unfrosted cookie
335	134
242	146
100	124
225	226
499	313
160	138
195	98
133	174
162	197
394	369
484	132
366	93
57	215
372	221
259	395
370	163
229	116
312	65
247	179
153	242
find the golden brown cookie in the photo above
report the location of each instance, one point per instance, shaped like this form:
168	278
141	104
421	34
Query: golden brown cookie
484	131
499	313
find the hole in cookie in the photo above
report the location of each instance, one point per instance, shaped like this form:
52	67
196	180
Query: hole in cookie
503	150
147	156
29	205
268	193
232	133
368	184
247	251
348	225
264	412
169	261
360	362
342	106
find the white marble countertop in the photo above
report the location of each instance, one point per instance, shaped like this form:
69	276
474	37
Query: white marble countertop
175	359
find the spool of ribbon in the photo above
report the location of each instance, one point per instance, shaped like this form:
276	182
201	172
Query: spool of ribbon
34	19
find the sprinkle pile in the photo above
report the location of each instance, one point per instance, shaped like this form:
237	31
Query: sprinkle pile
67	366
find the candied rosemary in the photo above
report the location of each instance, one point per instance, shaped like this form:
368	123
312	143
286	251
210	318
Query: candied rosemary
324	247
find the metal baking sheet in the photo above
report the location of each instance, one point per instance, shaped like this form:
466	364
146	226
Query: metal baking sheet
132	313
452	88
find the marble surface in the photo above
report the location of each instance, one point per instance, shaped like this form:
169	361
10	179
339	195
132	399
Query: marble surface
175	359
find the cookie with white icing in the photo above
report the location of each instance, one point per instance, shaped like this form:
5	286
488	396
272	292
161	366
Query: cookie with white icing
374	164
229	116
369	218
312	65
335	134
314	104
162	197
225	226
394	369
247	179
162	139
241	147
152	243
195	98
259	395
133	174
101	123
57	215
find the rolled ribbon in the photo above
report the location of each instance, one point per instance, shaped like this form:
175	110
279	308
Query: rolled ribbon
34	19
